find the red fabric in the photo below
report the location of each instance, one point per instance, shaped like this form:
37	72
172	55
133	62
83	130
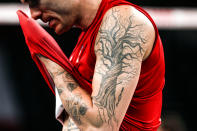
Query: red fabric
144	110
40	42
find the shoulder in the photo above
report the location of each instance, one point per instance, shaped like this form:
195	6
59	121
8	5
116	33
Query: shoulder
121	19
125	12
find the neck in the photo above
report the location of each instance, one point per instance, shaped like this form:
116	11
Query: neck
88	10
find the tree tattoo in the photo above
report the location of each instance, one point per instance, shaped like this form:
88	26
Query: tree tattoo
119	44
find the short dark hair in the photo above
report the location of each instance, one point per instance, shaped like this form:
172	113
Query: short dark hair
32	3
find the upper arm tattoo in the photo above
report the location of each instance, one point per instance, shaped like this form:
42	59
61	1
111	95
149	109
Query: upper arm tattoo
119	45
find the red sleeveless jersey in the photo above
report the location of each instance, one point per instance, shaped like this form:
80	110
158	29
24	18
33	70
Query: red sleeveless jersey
145	108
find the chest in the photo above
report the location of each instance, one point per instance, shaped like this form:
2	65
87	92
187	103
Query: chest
83	57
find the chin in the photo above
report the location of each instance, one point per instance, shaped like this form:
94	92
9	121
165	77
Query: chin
60	29
59	33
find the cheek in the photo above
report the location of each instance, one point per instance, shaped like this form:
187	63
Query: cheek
62	10
59	29
64	24
67	20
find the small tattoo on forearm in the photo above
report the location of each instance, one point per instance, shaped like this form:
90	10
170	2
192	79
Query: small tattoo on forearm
72	126
76	108
59	91
71	86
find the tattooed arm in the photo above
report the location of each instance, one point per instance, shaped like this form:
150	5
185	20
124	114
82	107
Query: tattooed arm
69	125
124	40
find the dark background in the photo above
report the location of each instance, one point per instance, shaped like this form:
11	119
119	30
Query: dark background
27	104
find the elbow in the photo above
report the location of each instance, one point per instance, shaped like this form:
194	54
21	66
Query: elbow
97	124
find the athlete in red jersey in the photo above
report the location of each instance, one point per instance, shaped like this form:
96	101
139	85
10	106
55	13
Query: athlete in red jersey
119	52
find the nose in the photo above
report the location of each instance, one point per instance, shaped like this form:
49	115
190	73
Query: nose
36	13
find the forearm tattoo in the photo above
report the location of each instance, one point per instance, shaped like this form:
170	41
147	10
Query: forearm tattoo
74	104
71	84
72	126
66	84
76	108
60	90
119	44
69	81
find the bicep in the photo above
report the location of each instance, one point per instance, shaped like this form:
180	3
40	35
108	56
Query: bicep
119	48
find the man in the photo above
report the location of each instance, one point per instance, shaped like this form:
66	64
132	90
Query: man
119	52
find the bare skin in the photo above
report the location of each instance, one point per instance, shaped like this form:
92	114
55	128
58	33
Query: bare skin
63	14
120	49
125	39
